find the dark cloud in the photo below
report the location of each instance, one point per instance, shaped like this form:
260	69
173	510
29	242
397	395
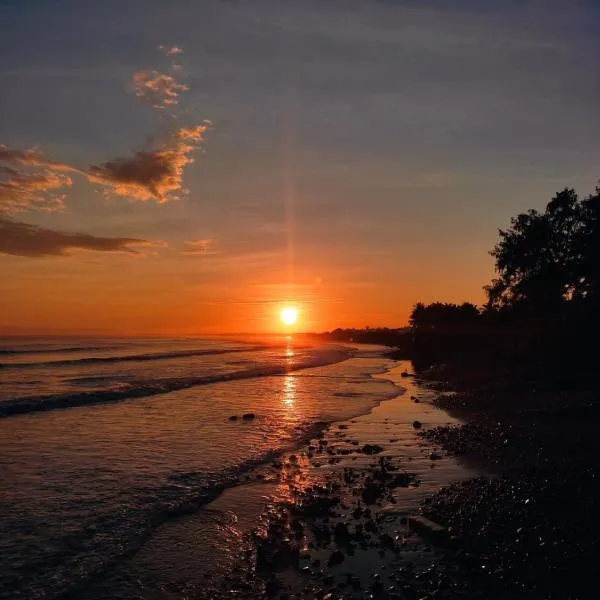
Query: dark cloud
150	174
29	181
21	239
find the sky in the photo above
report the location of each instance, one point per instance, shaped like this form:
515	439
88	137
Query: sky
186	167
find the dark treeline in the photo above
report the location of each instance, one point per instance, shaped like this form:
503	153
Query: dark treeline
542	307
368	335
544	304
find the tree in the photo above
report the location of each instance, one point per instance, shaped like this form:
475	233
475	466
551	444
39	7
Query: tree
443	316
538	258
588	251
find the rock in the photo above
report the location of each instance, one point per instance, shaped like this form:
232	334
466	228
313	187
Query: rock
233	418
371	449
417	424
387	541
434	456
371	493
340	531
427	528
272	587
249	416
336	558
400	480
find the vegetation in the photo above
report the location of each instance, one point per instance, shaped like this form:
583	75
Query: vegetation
544	304
546	261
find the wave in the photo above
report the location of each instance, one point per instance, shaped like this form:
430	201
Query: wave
30	404
103	545
54	350
130	357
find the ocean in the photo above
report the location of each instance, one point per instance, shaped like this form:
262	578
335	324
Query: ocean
102	441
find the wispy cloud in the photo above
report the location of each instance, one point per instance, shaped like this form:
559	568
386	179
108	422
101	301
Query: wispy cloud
28	180
157	89
199	247
170	50
160	90
20	191
22	239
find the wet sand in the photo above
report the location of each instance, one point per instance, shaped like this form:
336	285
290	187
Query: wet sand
329	518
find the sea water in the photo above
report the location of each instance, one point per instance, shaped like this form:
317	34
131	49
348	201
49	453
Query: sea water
104	440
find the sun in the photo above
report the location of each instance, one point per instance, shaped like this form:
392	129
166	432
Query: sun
289	315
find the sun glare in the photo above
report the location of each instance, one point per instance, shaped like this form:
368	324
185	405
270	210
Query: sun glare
289	315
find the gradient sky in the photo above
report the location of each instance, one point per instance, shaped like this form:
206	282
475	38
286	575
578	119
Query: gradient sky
361	157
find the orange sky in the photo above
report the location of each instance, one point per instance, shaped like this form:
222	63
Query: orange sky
360	157
165	293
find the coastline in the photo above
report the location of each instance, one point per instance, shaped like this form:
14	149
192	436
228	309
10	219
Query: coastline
531	529
329	517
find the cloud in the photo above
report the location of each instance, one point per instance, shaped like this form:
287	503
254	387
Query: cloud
199	247
157	89
151	174
170	51
21	239
30	158
27	180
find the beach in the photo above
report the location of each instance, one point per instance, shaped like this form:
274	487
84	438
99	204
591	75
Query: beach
357	477
331	517
186	492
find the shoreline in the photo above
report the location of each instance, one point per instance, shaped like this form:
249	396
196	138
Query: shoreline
530	529
339	503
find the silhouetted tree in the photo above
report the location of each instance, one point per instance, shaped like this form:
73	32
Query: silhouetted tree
537	257
443	316
587	248
547	262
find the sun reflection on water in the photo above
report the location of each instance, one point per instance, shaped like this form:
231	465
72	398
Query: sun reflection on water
289	390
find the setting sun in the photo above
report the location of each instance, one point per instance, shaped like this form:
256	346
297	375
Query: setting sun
289	315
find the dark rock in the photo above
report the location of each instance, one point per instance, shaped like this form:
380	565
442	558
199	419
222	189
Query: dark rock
272	587
371	449
336	558
248	416
233	418
371	493
340	531
387	541
417	424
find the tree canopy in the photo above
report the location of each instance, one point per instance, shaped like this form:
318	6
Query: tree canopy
547	260
443	316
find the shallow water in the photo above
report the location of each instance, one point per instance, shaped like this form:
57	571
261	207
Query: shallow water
84	486
189	558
